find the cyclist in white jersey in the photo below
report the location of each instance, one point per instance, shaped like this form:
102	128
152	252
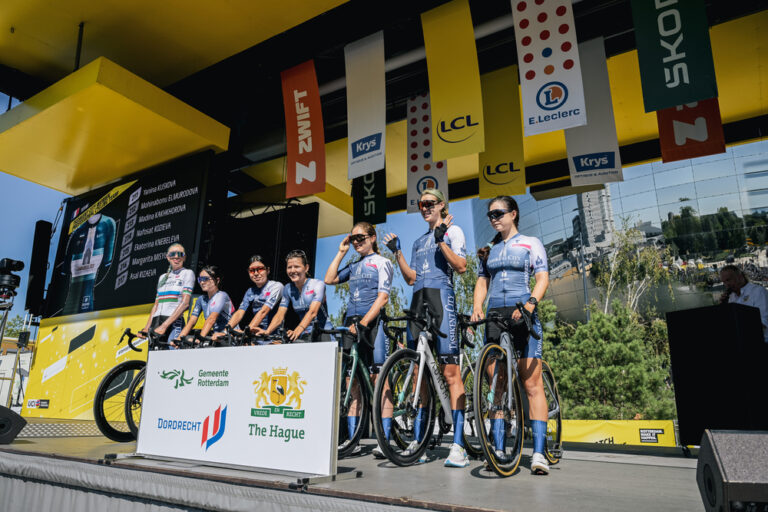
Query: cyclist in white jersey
263	298
507	265
174	292
215	305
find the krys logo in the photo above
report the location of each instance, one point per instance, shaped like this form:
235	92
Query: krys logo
178	378
552	95
457	130
279	393
219	423
425	183
594	161
499	174
366	145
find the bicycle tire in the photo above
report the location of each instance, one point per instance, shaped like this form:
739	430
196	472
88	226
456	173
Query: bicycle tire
346	446
401	441
109	401
133	401
506	465
403	413
553	448
472	442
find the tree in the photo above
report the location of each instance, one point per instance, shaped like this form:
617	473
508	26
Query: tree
14	327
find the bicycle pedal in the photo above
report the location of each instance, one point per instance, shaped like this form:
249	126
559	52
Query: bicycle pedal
557	453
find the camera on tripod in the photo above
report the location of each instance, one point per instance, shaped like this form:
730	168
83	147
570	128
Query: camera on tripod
9	281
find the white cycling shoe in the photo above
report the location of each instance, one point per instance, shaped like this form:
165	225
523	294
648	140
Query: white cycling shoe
412	447
539	465
378	453
457	458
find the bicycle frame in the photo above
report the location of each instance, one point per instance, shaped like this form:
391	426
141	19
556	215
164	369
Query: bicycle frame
355	364
506	345
441	386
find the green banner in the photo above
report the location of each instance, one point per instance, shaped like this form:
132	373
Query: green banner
674	51
369	198
268	410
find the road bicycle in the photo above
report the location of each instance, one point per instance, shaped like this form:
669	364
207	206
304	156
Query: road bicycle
498	395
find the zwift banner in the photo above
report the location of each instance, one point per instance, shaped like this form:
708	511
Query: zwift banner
423	171
305	139
690	131
550	73
454	80
366	105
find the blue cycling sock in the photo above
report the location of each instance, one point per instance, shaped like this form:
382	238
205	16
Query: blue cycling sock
458	426
418	425
539	435
387	424
499	428
352	425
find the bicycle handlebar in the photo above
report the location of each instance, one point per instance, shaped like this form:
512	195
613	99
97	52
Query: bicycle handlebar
506	322
429	321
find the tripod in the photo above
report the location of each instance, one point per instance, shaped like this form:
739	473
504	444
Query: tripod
6	304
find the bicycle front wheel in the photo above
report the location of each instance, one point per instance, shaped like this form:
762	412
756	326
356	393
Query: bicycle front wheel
109	401
554	448
498	414
472	442
349	440
133	401
411	429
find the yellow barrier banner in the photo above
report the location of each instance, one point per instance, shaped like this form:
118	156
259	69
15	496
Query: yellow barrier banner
630	432
502	164
98	205
454	81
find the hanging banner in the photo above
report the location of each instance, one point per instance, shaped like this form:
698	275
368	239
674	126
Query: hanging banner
593	150
674	52
550	73
454	80
366	105
423	172
502	166
692	130
369	198
305	139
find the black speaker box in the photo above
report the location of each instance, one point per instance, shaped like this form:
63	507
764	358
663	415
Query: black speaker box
38	266
732	471
718	368
10	425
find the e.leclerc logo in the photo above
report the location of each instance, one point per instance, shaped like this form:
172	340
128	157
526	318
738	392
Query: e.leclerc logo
425	183
552	95
594	161
366	145
278	394
499	174
457	130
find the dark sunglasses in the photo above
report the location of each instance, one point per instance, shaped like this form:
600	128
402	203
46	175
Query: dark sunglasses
176	254
203	279
253	270
428	203
357	239
496	214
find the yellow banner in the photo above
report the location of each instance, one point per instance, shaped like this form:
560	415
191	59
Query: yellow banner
634	432
502	164
99	205
454	81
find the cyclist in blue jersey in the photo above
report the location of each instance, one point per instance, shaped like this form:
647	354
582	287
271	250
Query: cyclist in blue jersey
306	296
435	257
507	264
370	281
215	305
263	298
174	292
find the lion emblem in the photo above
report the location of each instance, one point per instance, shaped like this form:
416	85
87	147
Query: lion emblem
296	389
262	389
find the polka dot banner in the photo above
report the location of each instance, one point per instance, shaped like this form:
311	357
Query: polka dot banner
423	172
550	74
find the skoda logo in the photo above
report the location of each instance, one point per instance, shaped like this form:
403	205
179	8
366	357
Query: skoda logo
552	95
425	183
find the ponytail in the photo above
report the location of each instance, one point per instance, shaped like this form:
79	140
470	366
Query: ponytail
483	252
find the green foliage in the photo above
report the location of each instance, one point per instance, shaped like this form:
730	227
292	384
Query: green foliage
691	235
13	327
464	285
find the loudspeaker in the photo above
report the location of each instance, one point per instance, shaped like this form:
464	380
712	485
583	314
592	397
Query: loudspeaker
732	471
10	425
38	266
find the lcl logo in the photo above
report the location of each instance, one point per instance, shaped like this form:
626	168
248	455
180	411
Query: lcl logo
456	125
499	174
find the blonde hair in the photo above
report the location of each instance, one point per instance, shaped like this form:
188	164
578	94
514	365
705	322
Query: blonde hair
164	277
440	197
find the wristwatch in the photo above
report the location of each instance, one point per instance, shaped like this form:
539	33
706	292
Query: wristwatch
533	300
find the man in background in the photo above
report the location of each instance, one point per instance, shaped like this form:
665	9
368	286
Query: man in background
738	289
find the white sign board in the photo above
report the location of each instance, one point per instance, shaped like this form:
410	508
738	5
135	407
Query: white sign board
268	407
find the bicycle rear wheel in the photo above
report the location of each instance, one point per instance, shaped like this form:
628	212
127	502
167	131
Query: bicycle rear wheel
109	401
398	370
492	404
133	401
472	441
554	448
348	443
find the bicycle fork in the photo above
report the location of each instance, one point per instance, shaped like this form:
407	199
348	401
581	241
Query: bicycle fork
507	348
441	386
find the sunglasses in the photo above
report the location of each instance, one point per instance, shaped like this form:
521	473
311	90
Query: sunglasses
176	254
357	239
427	204
496	214
203	279
254	270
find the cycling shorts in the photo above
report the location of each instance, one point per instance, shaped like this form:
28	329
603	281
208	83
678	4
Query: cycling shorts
441	303
525	345
173	331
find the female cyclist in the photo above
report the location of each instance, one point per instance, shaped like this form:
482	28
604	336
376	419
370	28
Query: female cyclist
507	265
436	255
215	305
370	280
174	291
307	297
262	298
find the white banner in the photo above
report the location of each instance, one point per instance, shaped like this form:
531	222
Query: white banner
268	407
366	105
548	58
593	150
423	173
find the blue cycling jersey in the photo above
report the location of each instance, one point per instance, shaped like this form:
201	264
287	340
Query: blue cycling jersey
300	300
367	277
220	303
432	269
268	295
509	267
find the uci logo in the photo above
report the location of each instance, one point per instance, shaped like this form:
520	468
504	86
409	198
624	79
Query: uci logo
500	174
552	95
425	183
459	123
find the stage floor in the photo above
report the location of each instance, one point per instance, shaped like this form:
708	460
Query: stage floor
583	480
